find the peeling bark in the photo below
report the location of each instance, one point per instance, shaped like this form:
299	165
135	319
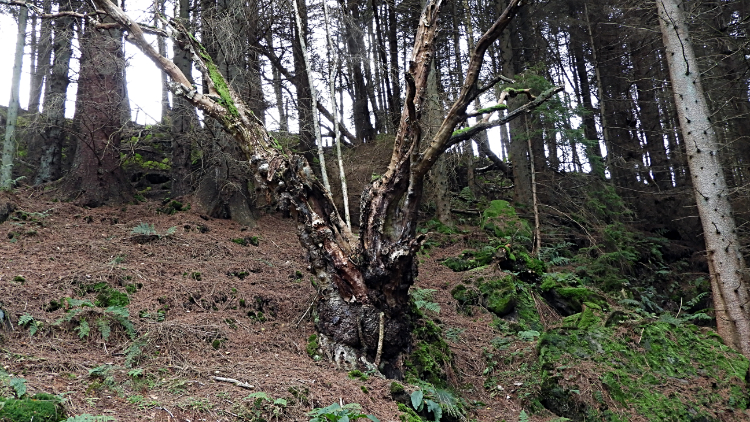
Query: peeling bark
360	279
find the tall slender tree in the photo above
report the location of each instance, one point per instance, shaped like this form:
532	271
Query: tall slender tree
9	146
727	265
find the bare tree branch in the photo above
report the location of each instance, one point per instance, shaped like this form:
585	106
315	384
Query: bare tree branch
468	133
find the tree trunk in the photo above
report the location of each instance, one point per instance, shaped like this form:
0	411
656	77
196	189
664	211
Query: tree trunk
593	150
393	65
97	177
332	61
354	37
162	44
46	149
305	113
360	279
313	97
9	147
728	270
649	116
183	117
40	71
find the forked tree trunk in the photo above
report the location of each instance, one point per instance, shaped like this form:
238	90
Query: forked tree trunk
728	271
360	279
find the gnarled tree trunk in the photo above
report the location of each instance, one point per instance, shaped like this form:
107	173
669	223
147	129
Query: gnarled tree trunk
361	279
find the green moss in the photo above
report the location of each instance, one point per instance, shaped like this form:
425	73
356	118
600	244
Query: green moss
429	355
653	369
312	346
532	264
499	295
357	374
492	109
220	83
469	260
41	408
528	317
466	298
500	219
396	388
171	207
408	414
111	297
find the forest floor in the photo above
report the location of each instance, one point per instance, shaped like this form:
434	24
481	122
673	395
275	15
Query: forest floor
203	306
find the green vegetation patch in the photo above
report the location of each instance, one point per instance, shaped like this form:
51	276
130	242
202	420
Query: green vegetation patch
430	355
500	219
39	408
499	296
655	369
171	207
469	259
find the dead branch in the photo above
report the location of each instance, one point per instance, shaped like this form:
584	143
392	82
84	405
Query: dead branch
238	383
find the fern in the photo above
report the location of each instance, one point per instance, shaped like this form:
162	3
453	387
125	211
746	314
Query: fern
19	386
28	321
134	352
423	299
694	301
25	319
466	194
145	229
83	328
260	395
104	327
121	315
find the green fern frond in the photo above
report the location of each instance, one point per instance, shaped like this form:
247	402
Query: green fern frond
145	228
83	328
466	194
423	299
79	302
260	395
694	301
104	327
25	319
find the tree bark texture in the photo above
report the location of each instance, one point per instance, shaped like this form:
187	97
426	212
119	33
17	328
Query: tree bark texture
45	150
728	270
97	177
9	146
358	279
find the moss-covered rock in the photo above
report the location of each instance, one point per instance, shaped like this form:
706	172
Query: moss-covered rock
39	408
499	296
568	299
500	220
470	259
648	369
466	297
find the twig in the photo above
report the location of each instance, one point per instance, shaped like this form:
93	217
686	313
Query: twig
381	328
235	382
312	302
167	410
